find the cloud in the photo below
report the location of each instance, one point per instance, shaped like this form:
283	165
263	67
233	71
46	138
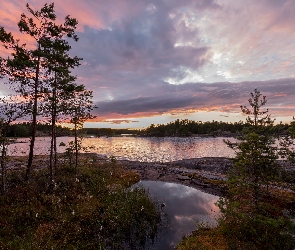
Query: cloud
146	57
224	96
119	121
140	50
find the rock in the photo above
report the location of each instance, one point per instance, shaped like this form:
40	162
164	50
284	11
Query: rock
183	177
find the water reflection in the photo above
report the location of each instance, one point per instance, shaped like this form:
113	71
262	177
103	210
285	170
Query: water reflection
136	148
184	206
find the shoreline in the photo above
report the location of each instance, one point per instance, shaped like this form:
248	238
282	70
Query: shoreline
206	174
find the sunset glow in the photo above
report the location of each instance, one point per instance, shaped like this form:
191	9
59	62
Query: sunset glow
157	61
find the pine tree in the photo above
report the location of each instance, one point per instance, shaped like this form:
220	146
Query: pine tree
255	163
28	70
249	220
79	109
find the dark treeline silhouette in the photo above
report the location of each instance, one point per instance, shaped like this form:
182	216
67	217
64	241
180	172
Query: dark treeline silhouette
24	130
43	129
175	128
214	128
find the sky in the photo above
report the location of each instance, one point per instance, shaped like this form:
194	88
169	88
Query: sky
155	61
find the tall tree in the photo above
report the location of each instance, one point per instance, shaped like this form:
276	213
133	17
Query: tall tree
249	219
60	85
29	69
255	163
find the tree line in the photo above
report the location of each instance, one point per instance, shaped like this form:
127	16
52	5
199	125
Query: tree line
23	129
187	127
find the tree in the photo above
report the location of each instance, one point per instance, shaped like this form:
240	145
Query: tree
255	163
79	109
29	69
249	219
60	84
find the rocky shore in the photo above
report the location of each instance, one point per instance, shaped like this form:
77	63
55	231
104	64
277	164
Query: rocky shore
207	174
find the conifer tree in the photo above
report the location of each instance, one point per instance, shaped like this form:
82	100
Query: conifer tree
60	84
249	219
79	109
255	163
28	70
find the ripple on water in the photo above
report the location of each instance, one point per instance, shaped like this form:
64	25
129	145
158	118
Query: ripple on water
137	148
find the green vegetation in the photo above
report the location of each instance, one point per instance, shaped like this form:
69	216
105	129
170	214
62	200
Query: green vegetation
189	127
87	208
253	213
23	129
176	128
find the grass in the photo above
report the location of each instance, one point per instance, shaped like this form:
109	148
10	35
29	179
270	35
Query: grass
204	238
90	208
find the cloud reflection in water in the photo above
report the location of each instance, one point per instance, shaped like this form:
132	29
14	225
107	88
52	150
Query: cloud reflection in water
184	206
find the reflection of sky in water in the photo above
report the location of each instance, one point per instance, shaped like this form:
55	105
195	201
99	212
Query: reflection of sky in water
137	148
184	206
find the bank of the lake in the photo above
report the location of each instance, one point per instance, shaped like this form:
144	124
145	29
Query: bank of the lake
206	174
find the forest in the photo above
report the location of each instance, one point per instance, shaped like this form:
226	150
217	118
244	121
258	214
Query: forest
213	128
178	127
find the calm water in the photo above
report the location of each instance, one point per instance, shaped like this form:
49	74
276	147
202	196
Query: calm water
184	207
137	148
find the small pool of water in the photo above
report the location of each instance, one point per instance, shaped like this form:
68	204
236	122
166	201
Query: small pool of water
184	207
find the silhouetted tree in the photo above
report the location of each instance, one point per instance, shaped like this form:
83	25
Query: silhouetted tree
28	70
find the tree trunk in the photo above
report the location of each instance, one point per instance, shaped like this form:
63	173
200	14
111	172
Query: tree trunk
53	135
76	147
34	121
51	150
3	166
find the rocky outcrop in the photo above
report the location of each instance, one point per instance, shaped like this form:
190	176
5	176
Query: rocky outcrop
207	174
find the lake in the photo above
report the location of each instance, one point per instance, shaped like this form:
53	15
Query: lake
150	149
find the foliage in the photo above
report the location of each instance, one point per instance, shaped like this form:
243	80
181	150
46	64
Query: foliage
250	219
214	128
255	163
79	108
32	71
252	213
262	228
10	110
204	238
86	209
